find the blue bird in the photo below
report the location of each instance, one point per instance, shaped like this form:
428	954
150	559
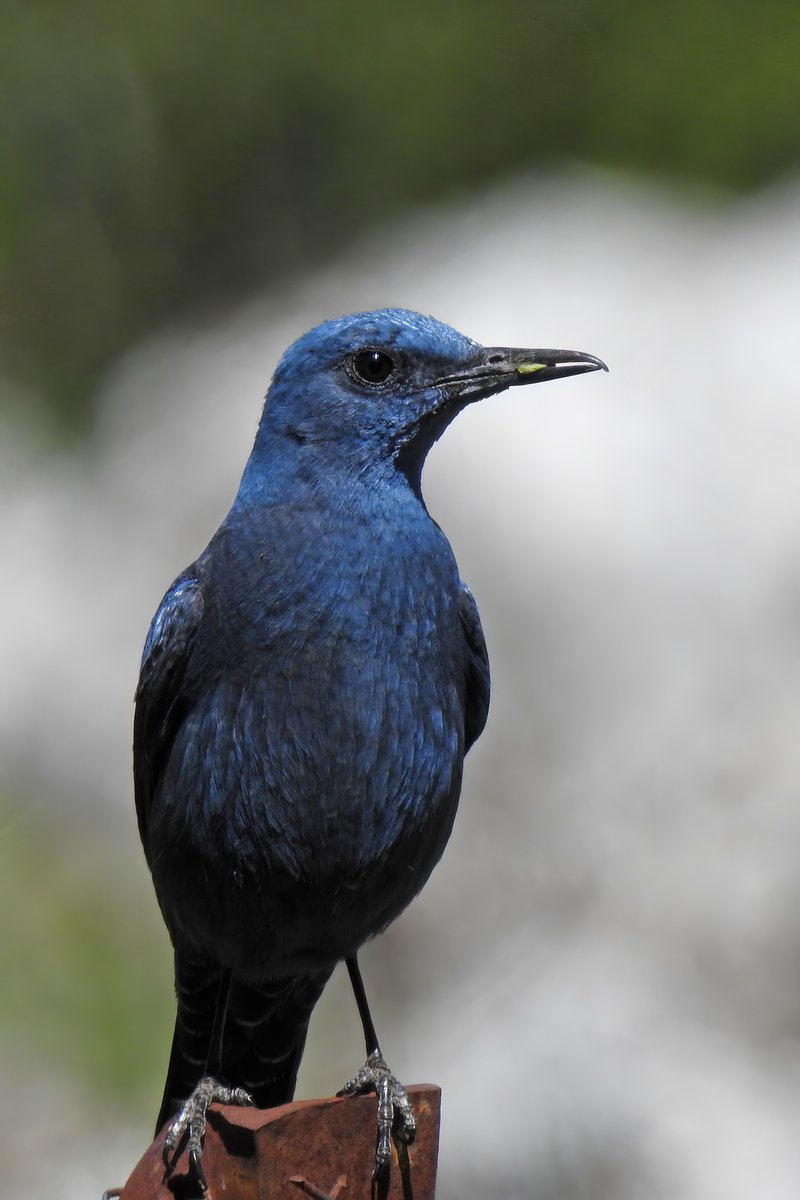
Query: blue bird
309	688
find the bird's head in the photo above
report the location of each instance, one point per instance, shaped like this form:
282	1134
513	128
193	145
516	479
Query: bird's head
384	385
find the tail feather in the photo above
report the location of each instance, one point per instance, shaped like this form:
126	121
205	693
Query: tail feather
263	1037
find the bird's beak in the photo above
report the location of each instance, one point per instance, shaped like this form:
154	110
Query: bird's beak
501	367
535	366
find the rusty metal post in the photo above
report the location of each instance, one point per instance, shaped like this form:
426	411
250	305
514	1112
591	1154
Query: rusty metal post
324	1149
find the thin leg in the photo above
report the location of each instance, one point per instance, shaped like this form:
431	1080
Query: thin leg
370	1036
214	1056
394	1107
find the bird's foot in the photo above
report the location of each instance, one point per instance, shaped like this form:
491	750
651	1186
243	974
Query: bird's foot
395	1114
190	1124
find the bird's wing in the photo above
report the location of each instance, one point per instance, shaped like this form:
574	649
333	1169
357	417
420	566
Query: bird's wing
160	697
477	694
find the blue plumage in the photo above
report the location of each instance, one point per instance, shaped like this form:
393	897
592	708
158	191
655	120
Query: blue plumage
309	688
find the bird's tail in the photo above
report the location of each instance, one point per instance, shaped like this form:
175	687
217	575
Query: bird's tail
263	1029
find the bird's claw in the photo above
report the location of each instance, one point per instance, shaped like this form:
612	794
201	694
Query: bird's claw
190	1123
395	1114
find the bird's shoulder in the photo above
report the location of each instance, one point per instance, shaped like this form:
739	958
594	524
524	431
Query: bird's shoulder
478	679
172	629
160	695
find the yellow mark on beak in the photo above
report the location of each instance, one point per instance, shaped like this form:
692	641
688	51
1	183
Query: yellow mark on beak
529	368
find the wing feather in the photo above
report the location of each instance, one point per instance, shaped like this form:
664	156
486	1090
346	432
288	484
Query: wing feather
161	699
478	686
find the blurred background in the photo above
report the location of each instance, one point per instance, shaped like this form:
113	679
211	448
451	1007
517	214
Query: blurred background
604	972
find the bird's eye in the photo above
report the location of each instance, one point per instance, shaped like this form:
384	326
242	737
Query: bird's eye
372	366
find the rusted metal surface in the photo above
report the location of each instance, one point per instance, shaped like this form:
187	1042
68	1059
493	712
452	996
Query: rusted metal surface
319	1148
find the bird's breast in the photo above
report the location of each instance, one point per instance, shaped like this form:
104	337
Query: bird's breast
323	767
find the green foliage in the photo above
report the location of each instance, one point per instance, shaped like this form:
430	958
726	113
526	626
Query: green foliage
160	154
81	947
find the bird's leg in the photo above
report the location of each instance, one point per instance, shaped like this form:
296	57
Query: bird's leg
395	1114
191	1119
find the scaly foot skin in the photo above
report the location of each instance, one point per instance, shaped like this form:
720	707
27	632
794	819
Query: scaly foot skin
394	1107
192	1118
